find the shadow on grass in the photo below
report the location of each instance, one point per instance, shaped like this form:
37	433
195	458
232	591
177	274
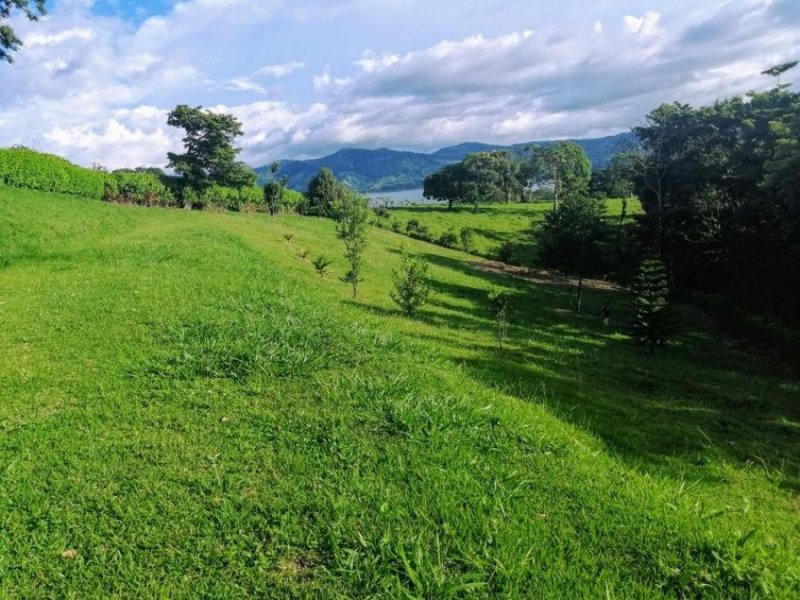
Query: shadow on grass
691	405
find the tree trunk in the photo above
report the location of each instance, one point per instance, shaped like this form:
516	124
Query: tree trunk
580	293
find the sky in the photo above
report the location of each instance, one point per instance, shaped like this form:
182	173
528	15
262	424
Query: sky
95	79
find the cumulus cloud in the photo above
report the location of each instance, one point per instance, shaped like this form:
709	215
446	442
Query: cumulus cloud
98	89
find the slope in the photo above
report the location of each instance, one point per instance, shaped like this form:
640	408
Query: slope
189	411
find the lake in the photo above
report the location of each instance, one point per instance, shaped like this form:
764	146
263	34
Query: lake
399	198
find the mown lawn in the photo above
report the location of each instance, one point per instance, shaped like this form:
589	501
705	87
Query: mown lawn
496	224
188	410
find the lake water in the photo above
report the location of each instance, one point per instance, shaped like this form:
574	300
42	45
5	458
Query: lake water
401	198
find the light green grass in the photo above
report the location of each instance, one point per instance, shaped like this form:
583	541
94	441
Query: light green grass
196	413
495	224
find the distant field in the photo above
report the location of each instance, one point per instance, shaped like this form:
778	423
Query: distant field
495	224
188	411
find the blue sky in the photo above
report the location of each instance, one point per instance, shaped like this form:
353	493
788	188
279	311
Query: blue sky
96	79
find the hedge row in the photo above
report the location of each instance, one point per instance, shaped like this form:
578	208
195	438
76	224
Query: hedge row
26	168
22	167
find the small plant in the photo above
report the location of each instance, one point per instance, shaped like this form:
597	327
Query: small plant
303	253
448	240
506	253
501	306
396	226
467	237
321	264
288	237
411	284
653	324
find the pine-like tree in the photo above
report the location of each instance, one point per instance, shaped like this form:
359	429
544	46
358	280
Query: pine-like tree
653	323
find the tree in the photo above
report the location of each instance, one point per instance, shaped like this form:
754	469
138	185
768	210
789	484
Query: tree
501	305
571	237
274	189
9	42
449	184
779	70
210	157
481	176
653	323
352	229
325	194
564	165
411	285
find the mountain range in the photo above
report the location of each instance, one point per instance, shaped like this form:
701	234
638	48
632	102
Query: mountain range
386	170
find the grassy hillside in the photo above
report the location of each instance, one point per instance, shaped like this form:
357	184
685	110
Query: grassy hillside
496	224
188	410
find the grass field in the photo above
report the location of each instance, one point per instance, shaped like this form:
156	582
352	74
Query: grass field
188	410
496	224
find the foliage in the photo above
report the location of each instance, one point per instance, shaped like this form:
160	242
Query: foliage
467	238
449	239
210	156
564	165
412	287
653	323
274	189
9	42
325	194
501	306
718	185
143	188
571	238
352	228
480	177
321	264
22	167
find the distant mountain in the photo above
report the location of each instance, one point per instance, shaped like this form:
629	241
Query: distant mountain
386	170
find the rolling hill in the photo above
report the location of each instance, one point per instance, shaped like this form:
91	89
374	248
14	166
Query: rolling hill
385	170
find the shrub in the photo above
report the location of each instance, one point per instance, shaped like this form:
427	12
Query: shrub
321	264
26	168
381	211
145	189
448	240
467	237
411	285
506	253
396	226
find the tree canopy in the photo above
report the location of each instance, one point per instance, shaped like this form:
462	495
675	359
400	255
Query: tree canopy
210	156
325	194
564	165
9	42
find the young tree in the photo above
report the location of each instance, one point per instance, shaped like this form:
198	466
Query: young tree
210	156
411	285
325	194
653	324
501	306
565	165
274	189
571	237
321	264
9	42
352	228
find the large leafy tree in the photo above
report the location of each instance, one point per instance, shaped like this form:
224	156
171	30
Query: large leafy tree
481	176
571	238
9	42
564	165
210	154
326	194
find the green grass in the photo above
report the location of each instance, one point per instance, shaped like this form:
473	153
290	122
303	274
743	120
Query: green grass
188	407
495	224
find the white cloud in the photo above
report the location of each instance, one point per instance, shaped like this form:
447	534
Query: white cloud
40	39
281	70
644	27
598	27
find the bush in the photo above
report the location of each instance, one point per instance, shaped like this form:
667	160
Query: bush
467	237
381	211
411	285
506	253
501	305
145	189
26	168
396	226
448	240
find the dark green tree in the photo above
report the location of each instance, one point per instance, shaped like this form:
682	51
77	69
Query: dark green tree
325	194
274	189
9	42
412	287
571	239
352	228
210	157
653	324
